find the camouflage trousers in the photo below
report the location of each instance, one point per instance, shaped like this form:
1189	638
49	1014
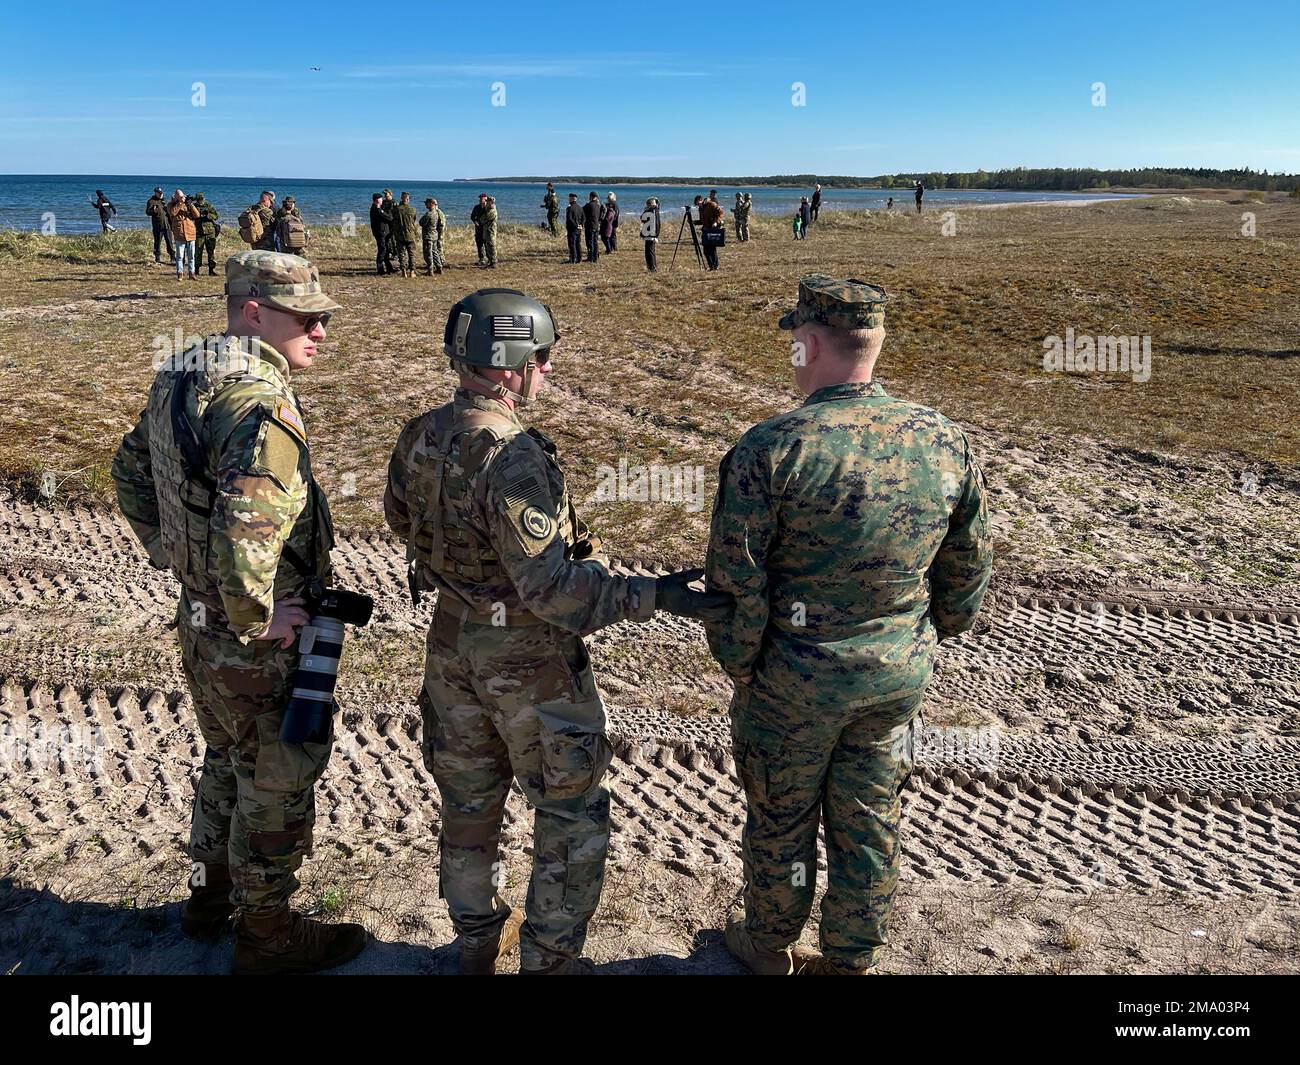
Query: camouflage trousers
255	803
801	766
433	253
517	702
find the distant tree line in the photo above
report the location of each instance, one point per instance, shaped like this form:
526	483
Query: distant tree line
1027	179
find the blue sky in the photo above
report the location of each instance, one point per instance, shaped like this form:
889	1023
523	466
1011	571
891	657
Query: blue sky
661	89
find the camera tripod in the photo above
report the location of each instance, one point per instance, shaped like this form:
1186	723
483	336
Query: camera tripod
695	240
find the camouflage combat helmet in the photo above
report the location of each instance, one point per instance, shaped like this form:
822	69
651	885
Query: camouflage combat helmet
499	329
848	304
279	280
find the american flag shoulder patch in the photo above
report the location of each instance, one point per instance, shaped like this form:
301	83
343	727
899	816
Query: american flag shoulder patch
523	491
287	416
512	326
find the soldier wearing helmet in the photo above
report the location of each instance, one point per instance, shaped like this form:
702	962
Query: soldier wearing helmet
508	690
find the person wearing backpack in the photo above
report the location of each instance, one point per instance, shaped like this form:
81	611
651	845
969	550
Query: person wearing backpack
209	229
156	209
406	225
290	231
257	223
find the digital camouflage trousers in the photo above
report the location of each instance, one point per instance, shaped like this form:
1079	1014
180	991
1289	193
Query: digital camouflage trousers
802	766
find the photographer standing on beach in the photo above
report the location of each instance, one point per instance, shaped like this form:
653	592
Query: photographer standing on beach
711	227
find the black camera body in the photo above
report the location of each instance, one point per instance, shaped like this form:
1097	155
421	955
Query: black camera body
320	646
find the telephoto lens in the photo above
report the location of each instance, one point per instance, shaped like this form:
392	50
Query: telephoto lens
320	645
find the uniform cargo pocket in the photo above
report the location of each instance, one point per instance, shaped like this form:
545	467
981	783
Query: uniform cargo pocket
574	758
287	766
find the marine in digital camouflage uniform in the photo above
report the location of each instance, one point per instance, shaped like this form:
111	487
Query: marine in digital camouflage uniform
508	691
406	227
432	224
207	238
853	533
216	481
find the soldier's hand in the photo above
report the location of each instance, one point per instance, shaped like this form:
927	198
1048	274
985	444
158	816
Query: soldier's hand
673	595
287	618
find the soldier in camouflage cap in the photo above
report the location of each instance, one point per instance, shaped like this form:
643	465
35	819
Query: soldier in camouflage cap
853	533
850	304
216	481
285	282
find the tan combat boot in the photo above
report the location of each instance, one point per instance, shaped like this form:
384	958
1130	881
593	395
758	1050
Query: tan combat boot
207	912
479	957
820	966
282	942
753	957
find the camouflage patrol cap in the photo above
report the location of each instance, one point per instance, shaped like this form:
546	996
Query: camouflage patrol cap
284	282
849	304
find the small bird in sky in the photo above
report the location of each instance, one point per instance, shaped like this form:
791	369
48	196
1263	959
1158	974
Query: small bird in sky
313	68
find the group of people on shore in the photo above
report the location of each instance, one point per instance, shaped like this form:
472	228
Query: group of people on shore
191	228
395	225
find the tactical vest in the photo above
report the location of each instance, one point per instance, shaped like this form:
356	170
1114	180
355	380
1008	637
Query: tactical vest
445	543
208	381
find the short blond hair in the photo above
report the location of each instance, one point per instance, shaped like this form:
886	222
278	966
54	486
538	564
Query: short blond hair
854	346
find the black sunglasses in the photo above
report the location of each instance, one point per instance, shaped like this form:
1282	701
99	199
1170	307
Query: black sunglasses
309	322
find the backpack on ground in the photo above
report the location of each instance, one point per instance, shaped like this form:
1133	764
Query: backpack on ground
250	225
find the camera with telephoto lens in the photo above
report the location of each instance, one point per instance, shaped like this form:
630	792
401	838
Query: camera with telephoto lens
320	645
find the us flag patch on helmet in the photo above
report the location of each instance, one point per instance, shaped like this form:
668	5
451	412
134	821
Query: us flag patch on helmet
512	326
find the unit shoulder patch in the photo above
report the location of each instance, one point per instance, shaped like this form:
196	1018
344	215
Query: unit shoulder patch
536	523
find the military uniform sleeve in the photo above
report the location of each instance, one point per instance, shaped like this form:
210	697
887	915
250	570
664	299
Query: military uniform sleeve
522	519
260	494
743	529
396	512
961	570
136	495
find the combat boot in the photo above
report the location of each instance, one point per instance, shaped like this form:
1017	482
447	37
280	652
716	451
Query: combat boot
820	966
479	957
207	912
284	942
753	957
564	967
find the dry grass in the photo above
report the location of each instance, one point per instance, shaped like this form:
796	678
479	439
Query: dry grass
671	368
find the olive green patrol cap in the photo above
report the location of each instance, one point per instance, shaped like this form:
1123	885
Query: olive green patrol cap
284	282
849	304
